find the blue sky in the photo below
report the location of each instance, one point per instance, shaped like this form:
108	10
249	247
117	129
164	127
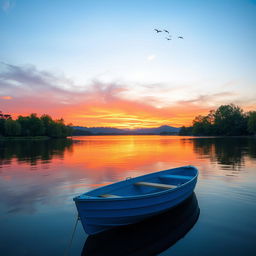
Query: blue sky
83	43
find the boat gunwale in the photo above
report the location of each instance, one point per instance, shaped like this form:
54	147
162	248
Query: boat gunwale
98	199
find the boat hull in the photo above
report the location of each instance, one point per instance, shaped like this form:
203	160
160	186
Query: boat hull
99	215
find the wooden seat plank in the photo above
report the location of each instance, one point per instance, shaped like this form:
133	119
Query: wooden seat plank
155	185
109	196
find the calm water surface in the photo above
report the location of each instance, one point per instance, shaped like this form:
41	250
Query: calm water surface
38	180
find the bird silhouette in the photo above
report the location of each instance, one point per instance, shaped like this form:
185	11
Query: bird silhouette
166	31
157	30
168	38
180	37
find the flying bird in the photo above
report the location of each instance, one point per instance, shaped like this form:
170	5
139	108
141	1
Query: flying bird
180	37
157	30
166	31
168	38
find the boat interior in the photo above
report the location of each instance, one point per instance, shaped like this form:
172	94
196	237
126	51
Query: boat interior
150	184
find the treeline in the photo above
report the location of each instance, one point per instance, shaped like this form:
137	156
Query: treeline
227	120
33	125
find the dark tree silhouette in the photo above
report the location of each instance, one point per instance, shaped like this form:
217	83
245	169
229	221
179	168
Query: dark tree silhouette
33	125
252	122
227	120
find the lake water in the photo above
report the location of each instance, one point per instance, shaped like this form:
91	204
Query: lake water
38	180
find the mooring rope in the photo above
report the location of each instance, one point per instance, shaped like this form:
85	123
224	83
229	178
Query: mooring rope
71	240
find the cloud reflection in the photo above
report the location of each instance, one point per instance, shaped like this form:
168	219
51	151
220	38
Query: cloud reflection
49	173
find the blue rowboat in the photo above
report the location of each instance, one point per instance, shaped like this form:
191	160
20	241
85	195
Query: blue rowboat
134	199
147	237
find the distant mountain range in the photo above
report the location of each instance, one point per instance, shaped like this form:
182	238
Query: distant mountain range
163	130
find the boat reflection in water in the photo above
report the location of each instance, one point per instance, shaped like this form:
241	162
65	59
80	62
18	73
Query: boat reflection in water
149	237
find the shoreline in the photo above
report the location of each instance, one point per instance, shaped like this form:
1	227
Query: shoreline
10	138
177	135
3	138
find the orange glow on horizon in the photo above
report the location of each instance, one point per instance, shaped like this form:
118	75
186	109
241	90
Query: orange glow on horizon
128	115
116	112
123	116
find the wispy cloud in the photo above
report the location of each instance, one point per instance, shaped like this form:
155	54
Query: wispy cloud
215	98
25	89
7	5
151	57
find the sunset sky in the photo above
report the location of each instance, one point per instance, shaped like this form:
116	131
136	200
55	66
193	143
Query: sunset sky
100	62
